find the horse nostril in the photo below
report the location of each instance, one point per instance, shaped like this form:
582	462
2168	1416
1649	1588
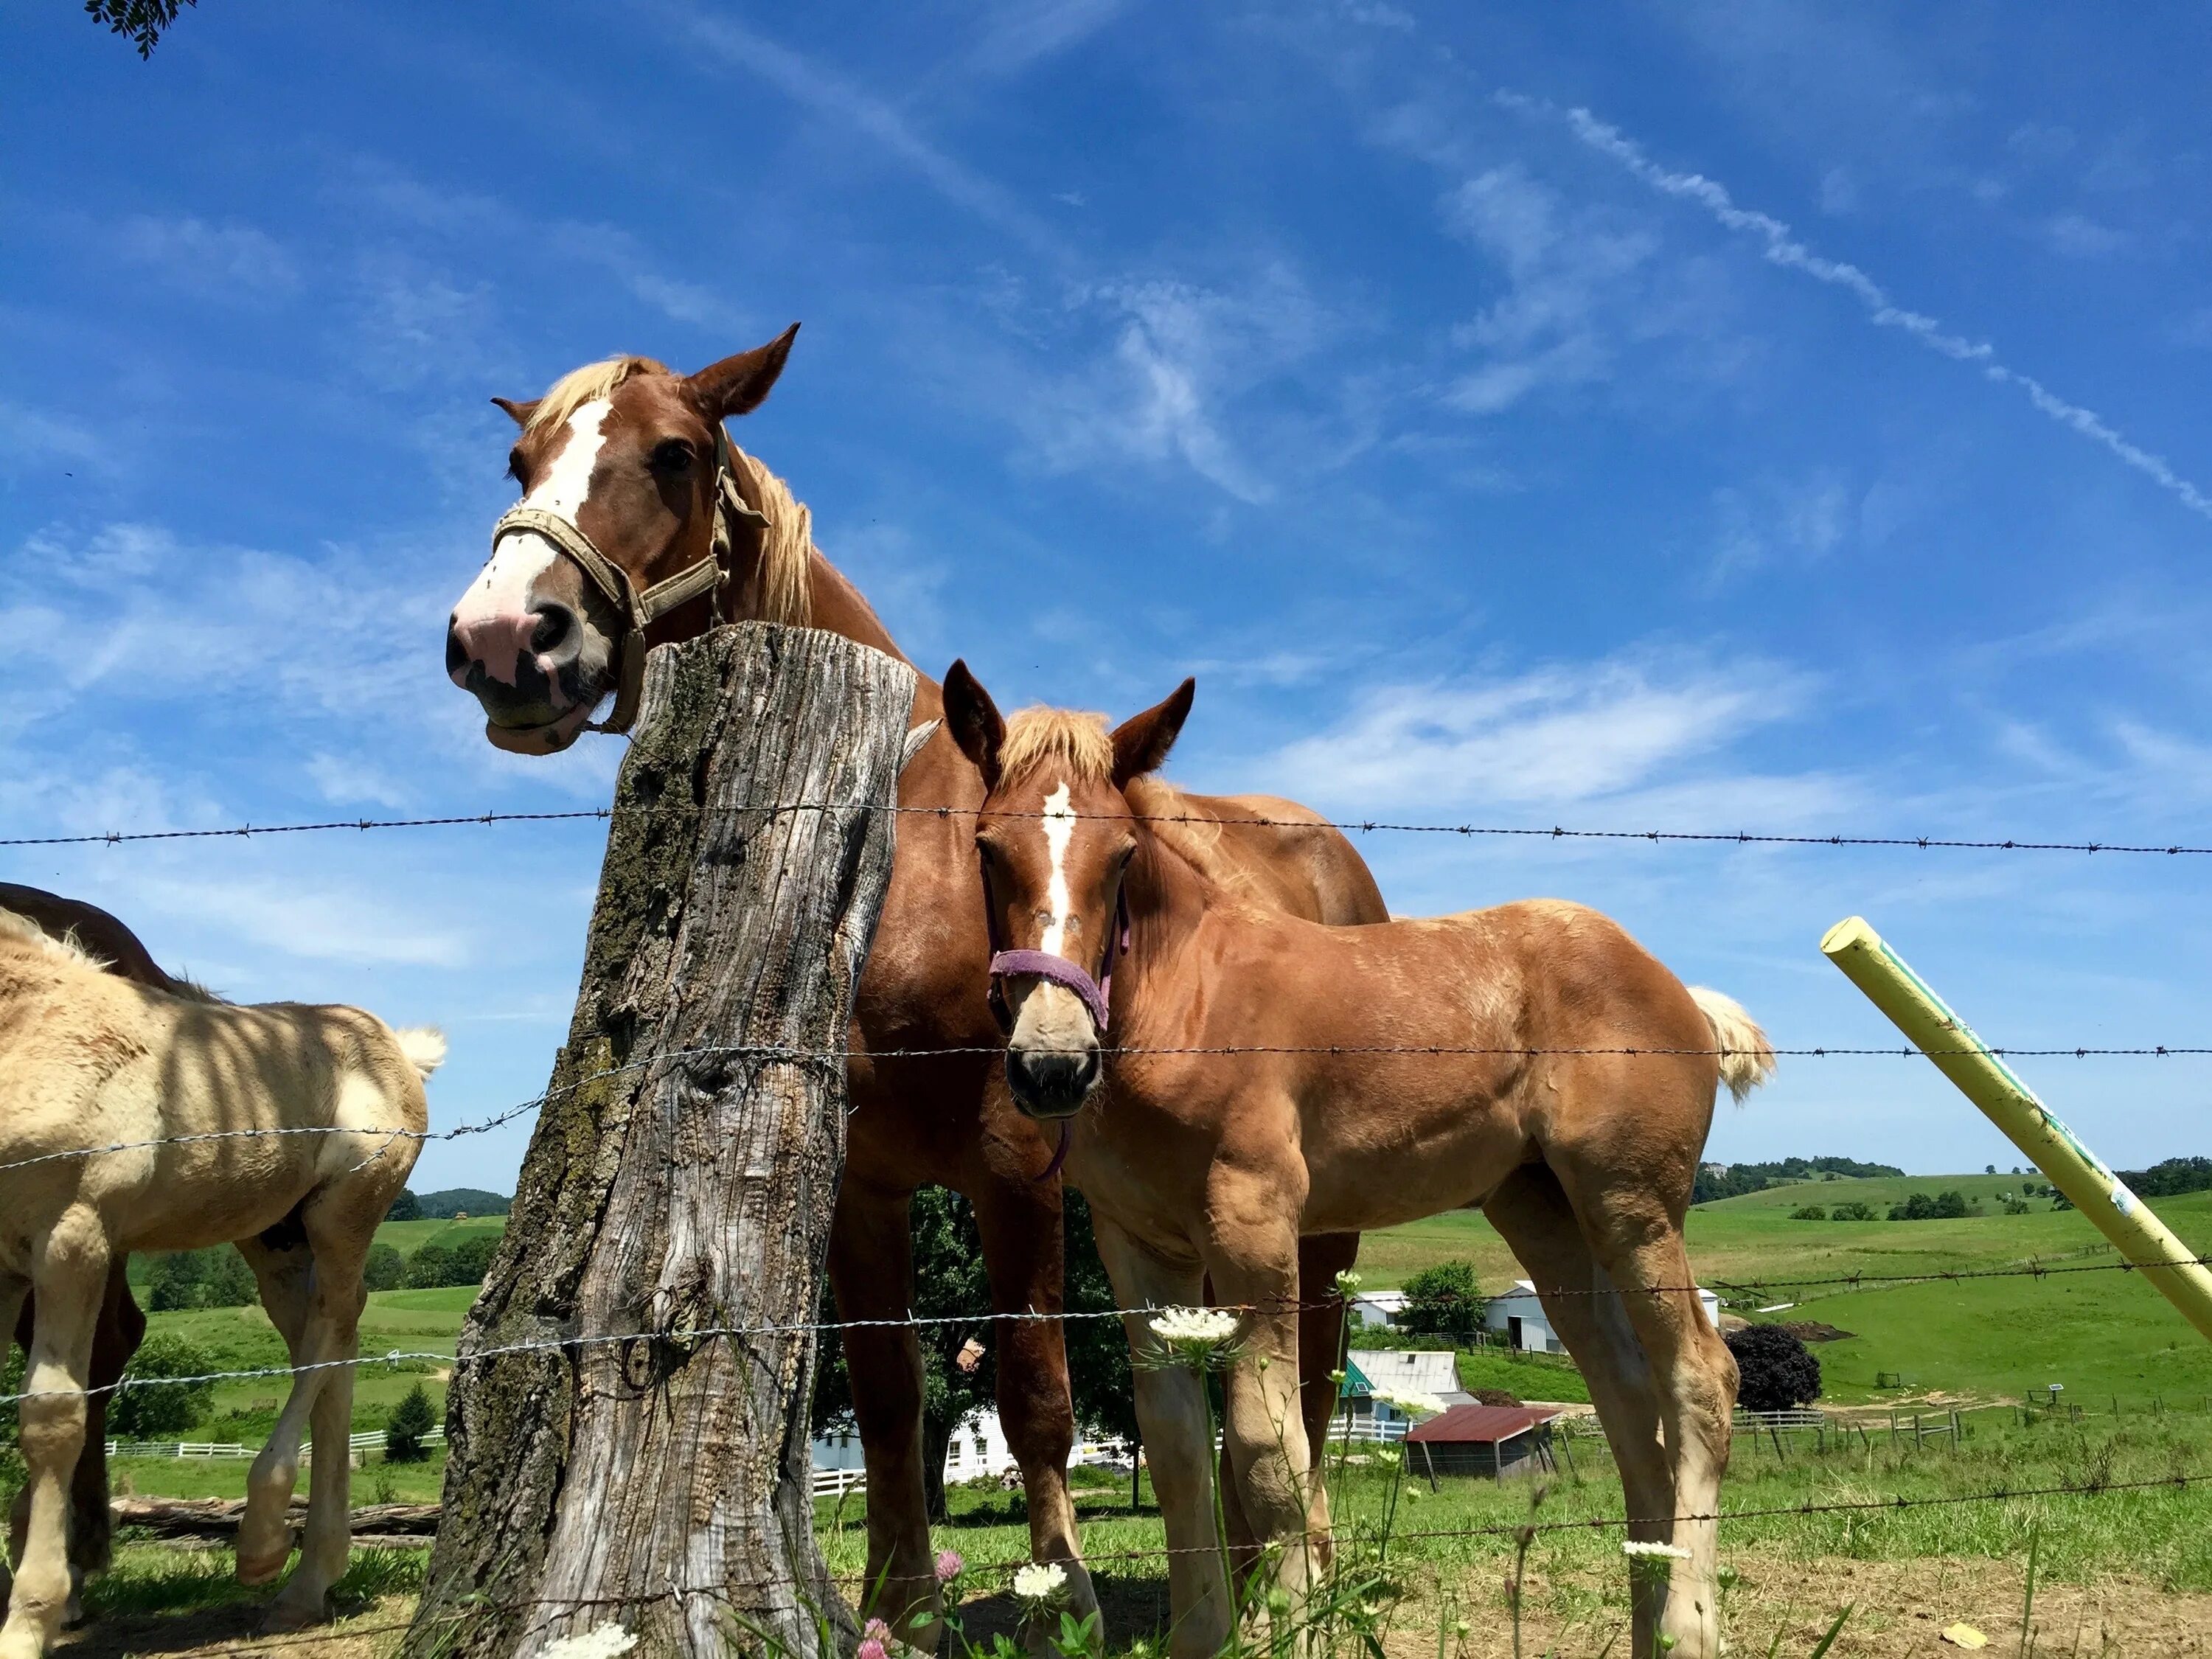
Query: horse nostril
555	623
456	655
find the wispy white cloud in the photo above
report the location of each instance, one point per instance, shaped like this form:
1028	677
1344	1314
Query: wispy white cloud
852	109
1803	518
1782	246
316	921
228	260
1018	33
2080	237
1555	737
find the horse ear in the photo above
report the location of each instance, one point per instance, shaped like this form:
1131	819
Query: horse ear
1141	742
519	413
736	385
972	719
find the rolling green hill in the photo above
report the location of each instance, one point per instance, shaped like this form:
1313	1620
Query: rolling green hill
2099	1333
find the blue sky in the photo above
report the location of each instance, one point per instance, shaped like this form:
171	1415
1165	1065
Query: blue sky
1785	418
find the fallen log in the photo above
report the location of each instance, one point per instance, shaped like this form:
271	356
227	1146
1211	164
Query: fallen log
217	1517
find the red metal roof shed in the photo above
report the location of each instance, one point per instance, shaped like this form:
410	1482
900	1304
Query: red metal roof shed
1485	1425
1486	1440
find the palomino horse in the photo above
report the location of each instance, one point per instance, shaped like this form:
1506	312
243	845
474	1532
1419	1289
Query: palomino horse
121	1326
640	525
1550	1070
90	1059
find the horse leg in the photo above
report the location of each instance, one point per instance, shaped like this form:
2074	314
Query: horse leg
871	1273
338	1239
1253	1261
16	1314
71	1272
1321	1314
1694	1382
1171	1417
1024	1248
121	1327
1532	1214
286	1277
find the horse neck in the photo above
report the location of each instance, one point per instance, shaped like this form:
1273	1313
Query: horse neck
1167	897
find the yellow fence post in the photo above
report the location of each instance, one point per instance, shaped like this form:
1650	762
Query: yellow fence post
1985	1079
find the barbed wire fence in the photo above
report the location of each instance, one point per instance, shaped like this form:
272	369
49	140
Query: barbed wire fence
1891	1503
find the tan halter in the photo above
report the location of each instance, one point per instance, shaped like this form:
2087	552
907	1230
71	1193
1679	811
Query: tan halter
639	610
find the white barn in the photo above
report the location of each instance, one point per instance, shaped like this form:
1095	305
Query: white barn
1518	1316
979	1447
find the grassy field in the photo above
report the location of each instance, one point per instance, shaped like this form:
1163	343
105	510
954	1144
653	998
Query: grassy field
2099	1333
2132	1569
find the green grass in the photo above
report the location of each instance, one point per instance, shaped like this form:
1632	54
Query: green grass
2160	1536
408	1236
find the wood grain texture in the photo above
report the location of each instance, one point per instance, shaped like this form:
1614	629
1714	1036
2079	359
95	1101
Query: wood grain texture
660	1482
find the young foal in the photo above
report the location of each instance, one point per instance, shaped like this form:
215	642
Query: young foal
87	1058
1572	1103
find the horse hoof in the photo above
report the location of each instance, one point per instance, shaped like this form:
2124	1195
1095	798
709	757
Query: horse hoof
285	1617
262	1570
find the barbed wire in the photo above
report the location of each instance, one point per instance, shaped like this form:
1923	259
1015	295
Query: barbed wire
791	1053
693	1336
1896	1502
1349	826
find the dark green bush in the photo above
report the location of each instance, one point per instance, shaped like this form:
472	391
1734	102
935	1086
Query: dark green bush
411	1420
149	1405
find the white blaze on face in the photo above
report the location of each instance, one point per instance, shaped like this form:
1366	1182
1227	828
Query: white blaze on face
1052	1017
1059	831
504	589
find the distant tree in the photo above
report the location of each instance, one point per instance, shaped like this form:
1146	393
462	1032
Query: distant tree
959	1366
1988	1169
1809	1213
1713	1181
472	1258
2015	1207
411	1420
1444	1300
1854	1210
2170	1178
152	1404
141	21
2060	1201
214	1278
386	1269
1778	1371
458	1203
406	1207
1949	1205
430	1267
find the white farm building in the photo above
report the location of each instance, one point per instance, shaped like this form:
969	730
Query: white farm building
1518	1316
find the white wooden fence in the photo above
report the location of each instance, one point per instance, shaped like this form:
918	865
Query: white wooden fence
367	1441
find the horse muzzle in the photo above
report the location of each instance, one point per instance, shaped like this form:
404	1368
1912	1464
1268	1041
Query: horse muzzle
1051	1082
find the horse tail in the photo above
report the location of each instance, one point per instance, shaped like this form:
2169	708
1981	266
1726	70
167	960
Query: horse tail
425	1048
1747	1057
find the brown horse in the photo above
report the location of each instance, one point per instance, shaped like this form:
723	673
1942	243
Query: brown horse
121	1326
1570	1100
640	525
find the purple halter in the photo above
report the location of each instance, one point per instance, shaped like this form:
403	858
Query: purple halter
1097	994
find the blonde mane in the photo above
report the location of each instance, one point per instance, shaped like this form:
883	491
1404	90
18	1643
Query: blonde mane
1077	740
582	386
25	932
782	592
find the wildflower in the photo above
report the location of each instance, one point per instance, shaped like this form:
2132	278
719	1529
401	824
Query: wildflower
949	1567
1634	1548
871	1648
1348	1283
1198	1337
605	1642
877	1631
1412	1402
1040	1584
1462	1629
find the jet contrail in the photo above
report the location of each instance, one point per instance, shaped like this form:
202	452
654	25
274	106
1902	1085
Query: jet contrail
1782	248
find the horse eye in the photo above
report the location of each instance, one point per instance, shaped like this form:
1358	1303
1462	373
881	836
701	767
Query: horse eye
670	455
514	464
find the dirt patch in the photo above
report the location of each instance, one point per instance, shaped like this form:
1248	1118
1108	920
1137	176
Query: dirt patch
1899	1610
207	1631
1812	1330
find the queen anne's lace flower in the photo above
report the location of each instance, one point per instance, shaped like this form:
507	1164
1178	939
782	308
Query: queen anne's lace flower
1038	1583
1200	1337
606	1642
1635	1548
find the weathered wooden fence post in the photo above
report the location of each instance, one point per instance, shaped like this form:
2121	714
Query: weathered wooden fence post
672	1216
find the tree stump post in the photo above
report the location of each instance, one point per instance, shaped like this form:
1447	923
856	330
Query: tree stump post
671	1220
